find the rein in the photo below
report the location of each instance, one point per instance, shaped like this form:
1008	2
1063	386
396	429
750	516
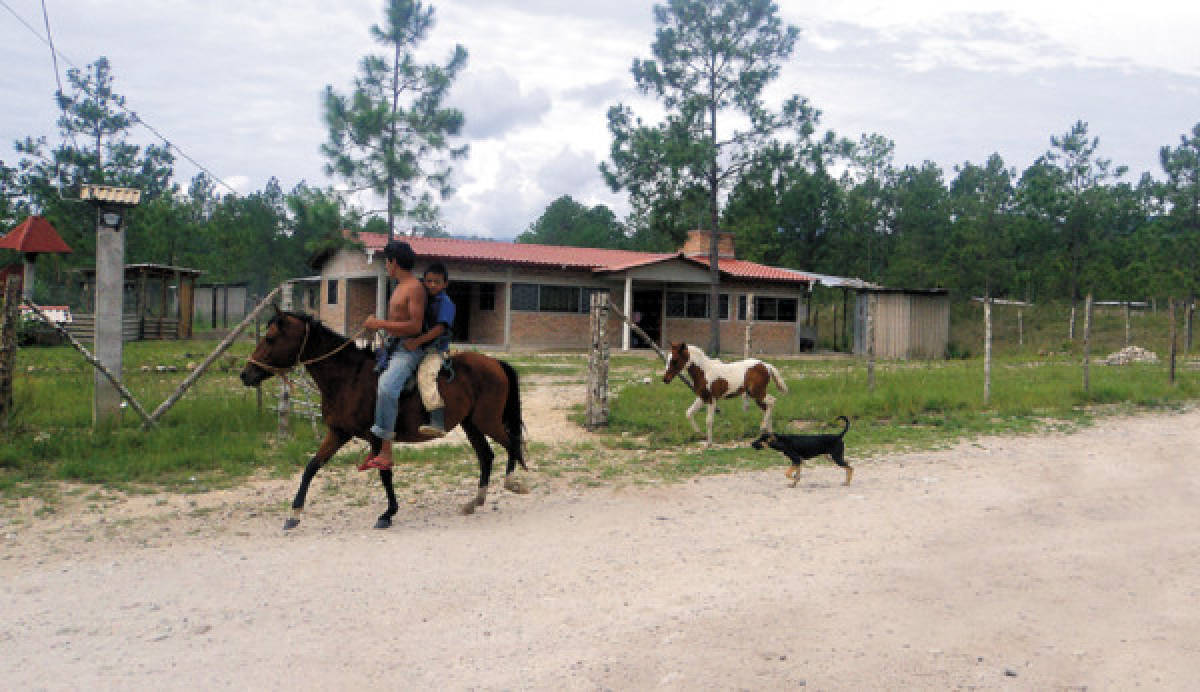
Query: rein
282	372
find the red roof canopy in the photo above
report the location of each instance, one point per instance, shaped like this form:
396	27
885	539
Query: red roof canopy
34	234
598	260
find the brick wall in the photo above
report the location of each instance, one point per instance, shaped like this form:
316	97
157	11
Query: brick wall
487	326
360	303
333	315
559	330
766	338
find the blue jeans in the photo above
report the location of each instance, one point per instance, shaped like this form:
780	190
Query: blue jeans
400	367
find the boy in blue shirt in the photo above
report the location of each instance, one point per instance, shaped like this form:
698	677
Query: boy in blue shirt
435	339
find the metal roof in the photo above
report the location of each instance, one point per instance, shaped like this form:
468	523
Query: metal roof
148	269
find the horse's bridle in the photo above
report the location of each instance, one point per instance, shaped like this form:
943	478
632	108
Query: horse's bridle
283	371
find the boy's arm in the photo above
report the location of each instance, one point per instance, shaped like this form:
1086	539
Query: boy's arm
420	341
445	317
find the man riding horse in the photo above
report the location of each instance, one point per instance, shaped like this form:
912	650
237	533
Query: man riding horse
405	315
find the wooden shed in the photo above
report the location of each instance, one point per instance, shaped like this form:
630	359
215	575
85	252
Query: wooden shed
908	323
221	305
159	303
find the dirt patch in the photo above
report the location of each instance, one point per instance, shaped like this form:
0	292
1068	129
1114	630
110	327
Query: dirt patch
1041	562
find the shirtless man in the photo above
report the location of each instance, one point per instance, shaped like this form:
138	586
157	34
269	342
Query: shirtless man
405	311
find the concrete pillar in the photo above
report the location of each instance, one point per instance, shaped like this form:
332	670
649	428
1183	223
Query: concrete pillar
110	294
508	309
381	294
28	277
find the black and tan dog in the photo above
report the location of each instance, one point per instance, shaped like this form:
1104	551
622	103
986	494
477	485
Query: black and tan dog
797	448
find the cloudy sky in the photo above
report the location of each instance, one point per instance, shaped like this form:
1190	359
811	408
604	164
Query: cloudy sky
237	84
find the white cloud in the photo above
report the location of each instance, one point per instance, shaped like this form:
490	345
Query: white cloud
238	85
495	104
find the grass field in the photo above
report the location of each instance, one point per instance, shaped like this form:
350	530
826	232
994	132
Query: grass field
217	435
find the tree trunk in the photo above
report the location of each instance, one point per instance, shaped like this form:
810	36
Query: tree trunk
391	147
714	272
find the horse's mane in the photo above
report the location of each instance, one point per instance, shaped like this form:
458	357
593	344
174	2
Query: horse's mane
319	329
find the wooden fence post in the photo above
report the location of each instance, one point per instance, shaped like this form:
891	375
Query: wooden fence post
596	414
835	327
1171	317
285	411
1191	310
8	348
987	350
1127	336
1071	328
258	387
870	342
1087	344
1020	327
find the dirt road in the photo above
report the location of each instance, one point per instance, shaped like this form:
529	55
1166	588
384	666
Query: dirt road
1006	563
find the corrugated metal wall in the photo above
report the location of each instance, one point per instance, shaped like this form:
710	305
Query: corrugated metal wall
907	325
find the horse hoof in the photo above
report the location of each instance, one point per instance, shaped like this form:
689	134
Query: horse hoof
514	485
290	523
383	523
468	508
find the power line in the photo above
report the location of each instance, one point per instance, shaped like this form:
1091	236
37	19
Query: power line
55	54
50	41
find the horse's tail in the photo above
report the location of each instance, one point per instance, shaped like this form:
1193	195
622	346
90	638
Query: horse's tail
514	426
775	375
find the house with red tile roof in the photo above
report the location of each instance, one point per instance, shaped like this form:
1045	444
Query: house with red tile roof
516	295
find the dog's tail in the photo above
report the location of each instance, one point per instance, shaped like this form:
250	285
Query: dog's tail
775	375
847	422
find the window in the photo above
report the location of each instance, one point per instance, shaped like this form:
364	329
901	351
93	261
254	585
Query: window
487	297
551	298
525	297
695	305
742	308
675	305
771	309
559	299
332	285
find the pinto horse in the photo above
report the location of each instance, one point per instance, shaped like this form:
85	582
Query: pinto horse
713	380
483	396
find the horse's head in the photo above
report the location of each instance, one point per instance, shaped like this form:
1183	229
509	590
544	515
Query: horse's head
278	350
677	361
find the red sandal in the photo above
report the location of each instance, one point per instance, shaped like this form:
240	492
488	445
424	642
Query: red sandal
375	463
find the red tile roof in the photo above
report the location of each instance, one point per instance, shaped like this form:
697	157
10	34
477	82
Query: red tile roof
34	234
598	260
742	269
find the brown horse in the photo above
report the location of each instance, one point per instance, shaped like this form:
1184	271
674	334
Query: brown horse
482	396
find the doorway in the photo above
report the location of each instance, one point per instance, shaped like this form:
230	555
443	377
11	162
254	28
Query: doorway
460	293
647	314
